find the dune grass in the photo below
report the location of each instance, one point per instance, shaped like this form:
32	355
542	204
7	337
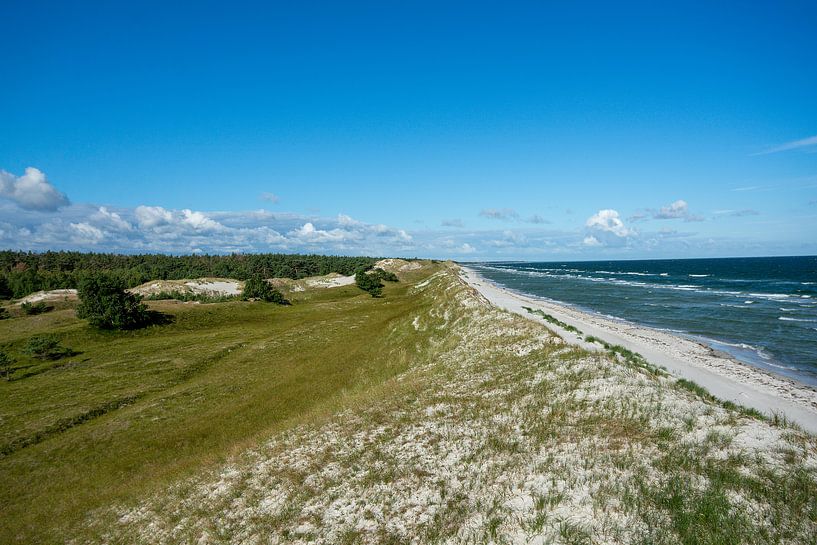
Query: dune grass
424	416
129	412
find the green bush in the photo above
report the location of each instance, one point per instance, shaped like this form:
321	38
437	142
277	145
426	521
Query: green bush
256	287
34	309
386	275
46	347
106	305
369	283
5	365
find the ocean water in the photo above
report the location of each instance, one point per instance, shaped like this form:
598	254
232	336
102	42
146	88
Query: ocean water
762	310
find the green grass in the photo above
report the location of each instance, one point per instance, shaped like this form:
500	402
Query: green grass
131	412
553	320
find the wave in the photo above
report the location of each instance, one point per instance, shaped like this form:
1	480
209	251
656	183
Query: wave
787	319
699	275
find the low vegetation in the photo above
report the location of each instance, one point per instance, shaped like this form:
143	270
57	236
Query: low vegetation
22	273
46	347
553	320
258	288
369	283
187	296
106	305
426	416
32	309
371	280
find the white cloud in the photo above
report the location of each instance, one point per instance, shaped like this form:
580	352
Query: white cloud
112	219
796	144
31	191
456	222
467	249
348	221
606	228
199	221
152	216
270	197
678	209
309	234
86	233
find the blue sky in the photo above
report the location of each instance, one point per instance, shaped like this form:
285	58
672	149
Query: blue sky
521	130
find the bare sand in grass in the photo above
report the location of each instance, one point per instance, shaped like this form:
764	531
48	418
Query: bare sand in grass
722	375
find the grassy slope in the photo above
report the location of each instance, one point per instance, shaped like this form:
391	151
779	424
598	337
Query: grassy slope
424	415
134	411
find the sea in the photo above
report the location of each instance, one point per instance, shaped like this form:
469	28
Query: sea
760	310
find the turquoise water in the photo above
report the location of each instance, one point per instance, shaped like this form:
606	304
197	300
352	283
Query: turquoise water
763	311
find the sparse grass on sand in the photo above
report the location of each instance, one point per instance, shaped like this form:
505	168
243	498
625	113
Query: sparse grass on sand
426	416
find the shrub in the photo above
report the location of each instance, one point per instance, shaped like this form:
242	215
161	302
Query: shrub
5	365
369	283
256	287
46	347
106	305
4	313
34	309
386	275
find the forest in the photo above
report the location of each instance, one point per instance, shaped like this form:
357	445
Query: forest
22	273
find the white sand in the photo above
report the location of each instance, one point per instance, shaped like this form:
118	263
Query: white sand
722	375
221	287
331	280
50	295
397	265
199	286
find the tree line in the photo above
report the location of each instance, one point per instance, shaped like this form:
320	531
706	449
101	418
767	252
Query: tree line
22	273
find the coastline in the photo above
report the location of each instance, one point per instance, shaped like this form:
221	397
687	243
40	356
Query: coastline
722	375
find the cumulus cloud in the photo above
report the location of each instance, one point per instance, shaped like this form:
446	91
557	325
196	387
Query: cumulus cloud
86	233
605	227
111	219
308	233
31	191
456	222
270	197
150	217
199	221
503	214
467	249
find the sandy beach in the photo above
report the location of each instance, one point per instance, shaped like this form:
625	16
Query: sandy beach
724	376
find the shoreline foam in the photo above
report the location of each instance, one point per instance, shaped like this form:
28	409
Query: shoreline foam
723	375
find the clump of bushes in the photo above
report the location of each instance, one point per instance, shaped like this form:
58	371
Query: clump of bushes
369	283
106	305
256	287
388	276
46	347
5	365
34	309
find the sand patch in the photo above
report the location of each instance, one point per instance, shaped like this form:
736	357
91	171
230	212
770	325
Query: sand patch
217	287
50	296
